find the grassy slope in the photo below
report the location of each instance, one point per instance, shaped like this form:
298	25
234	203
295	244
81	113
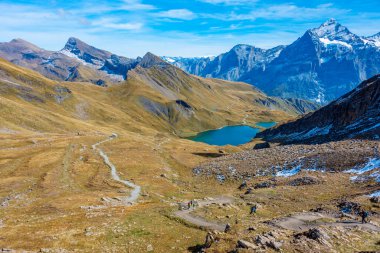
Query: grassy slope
31	105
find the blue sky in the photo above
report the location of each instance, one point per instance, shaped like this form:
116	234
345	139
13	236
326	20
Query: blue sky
178	27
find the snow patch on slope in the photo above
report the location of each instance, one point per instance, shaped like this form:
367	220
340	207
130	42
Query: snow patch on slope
371	169
328	42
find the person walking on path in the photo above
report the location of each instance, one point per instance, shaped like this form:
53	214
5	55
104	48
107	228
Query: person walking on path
364	215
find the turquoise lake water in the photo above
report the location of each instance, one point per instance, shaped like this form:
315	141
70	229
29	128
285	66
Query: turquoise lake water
232	135
266	124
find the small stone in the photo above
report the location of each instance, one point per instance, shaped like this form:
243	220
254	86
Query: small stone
149	248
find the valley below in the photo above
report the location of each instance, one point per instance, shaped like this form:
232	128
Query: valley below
59	195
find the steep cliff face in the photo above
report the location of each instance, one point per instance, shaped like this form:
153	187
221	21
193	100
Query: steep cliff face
356	114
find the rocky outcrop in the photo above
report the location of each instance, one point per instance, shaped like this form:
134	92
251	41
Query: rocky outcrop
356	114
262	145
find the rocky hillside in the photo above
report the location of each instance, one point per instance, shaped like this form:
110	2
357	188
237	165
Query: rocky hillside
356	114
322	65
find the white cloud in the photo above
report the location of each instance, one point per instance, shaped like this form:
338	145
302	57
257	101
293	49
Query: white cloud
124	26
183	14
116	24
290	11
135	5
230	2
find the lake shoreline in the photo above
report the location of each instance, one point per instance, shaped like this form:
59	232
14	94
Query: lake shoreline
234	135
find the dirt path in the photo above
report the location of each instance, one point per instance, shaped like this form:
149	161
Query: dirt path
303	221
65	178
115	176
201	222
244	122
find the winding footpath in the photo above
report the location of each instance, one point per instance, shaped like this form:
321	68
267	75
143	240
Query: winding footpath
201	222
115	176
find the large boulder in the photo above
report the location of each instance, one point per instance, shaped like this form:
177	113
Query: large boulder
262	145
246	245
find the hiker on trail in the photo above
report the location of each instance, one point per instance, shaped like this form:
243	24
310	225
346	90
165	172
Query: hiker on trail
253	209
228	228
364	215
243	185
209	240
189	205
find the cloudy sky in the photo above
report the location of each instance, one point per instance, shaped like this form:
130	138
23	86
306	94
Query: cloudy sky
178	27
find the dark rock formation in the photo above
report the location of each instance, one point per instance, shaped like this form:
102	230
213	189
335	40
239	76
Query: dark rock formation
356	114
262	145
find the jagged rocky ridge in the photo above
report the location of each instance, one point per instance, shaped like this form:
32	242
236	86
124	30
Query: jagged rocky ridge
323	64
77	61
354	115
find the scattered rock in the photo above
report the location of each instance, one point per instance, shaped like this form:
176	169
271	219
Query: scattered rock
261	239
275	245
316	234
242	185
268	240
248	191
227	228
209	240
349	207
265	184
303	181
375	199
246	245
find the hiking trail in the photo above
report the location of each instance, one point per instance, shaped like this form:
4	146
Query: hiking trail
136	189
199	221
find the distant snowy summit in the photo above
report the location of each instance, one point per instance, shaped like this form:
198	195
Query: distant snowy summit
323	64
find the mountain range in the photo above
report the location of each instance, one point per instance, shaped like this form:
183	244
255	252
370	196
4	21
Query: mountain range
322	65
154	94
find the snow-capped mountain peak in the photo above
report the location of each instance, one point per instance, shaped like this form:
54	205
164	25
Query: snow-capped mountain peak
374	40
333	30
